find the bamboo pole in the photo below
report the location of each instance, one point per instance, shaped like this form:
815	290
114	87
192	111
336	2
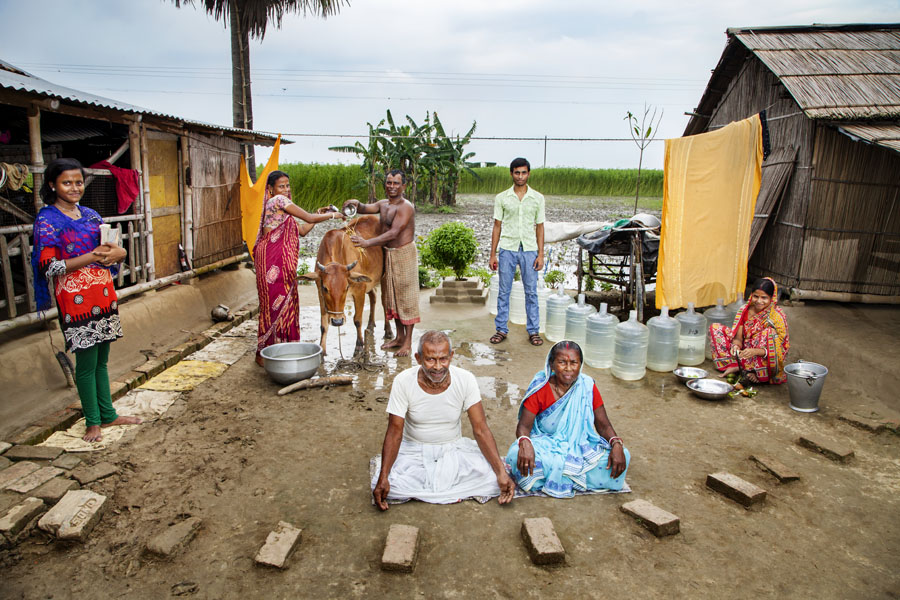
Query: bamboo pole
37	152
188	201
37	317
798	294
148	217
318	382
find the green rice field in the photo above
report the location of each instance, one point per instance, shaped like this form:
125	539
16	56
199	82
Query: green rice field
315	185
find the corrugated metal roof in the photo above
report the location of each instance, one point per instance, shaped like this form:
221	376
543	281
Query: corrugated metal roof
886	135
14	78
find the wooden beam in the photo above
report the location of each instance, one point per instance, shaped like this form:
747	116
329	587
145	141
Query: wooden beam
37	152
145	175
15	210
7	278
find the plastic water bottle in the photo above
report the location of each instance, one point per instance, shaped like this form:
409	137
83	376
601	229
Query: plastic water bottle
543	293
662	346
630	354
576	318
556	314
600	338
716	314
493	292
692	343
517	303
734	308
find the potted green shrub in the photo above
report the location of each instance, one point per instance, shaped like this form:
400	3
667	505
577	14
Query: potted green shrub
453	245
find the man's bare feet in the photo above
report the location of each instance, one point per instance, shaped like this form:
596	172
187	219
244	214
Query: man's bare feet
394	343
93	434
123	421
728	371
404	351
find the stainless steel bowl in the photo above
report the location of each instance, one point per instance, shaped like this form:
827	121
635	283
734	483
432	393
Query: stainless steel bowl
291	361
349	211
685	374
710	389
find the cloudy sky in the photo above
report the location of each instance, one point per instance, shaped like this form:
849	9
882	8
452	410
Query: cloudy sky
522	68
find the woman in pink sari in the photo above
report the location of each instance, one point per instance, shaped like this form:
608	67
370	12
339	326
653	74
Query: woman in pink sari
275	256
758	342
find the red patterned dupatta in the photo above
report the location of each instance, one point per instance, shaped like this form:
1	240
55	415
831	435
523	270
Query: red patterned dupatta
275	256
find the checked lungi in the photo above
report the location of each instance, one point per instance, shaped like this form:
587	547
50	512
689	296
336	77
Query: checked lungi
401	284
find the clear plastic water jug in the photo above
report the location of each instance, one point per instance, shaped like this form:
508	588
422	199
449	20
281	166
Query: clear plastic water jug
543	293
630	354
576	319
493	291
556	314
734	307
692	343
517	303
600	338
716	314
662	344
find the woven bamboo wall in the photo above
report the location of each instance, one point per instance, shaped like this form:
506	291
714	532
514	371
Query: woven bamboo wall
215	163
852	234
753	89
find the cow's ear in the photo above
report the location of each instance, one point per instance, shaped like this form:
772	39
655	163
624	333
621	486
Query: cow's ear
309	276
360	278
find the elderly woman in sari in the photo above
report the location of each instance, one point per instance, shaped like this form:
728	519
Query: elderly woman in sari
275	255
757	342
565	442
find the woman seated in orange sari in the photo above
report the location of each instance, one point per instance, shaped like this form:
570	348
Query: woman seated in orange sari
757	342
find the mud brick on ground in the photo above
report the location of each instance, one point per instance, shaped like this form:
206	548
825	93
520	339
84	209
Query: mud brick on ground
33	434
133	379
87	474
171	541
732	486
4	446
4	462
16	471
279	545
660	522
74	516
59	420
543	545
117	389
33	453
19	516
34	479
401	549
151	368
67	461
830	448
52	491
770	465
870	424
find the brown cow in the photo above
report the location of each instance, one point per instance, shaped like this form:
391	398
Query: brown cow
340	267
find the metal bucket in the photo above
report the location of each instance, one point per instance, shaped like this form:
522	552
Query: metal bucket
805	381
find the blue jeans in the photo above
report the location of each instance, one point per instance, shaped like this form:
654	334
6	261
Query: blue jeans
507	263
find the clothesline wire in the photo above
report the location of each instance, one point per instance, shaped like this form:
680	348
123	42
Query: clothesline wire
490	138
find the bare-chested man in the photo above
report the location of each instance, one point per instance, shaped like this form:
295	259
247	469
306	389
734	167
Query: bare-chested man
401	263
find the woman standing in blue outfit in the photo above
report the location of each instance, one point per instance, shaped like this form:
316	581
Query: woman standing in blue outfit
565	442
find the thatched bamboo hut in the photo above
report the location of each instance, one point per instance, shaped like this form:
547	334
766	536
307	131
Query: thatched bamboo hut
189	180
828	214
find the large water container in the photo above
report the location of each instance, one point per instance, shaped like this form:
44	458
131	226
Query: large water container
662	344
600	338
630	354
576	319
493	291
692	343
517	303
543	293
716	314
556	314
733	309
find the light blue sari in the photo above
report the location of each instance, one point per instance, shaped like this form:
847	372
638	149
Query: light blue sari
570	456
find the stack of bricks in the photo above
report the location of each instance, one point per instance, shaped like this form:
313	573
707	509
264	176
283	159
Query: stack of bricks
469	291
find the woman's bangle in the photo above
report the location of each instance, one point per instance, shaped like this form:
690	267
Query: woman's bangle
524	437
615	439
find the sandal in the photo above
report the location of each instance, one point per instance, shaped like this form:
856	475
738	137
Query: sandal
498	337
535	339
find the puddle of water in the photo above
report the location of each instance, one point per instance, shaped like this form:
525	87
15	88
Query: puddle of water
479	354
498	393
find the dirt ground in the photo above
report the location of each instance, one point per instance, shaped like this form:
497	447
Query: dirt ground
240	457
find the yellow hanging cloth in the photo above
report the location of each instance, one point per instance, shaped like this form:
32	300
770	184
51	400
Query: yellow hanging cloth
711	181
252	195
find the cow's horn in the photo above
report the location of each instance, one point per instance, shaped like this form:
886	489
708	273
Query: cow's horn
320	266
351	265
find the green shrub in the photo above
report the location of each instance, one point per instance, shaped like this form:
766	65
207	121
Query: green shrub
453	245
588	284
554	278
481	273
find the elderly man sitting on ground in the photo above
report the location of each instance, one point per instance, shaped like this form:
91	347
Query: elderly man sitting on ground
424	454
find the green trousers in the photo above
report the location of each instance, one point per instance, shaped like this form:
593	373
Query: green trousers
92	381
